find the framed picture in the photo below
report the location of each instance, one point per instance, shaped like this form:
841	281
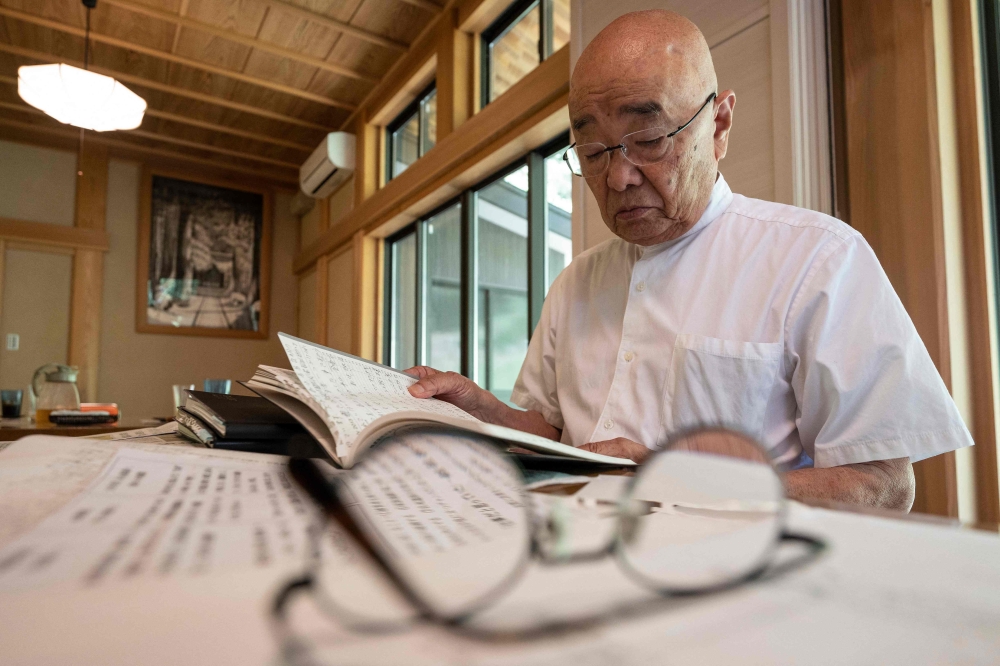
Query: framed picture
204	257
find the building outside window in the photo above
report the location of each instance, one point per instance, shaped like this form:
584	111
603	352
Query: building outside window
527	33
411	134
478	269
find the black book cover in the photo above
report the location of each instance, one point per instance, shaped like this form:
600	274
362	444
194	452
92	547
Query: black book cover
242	417
296	446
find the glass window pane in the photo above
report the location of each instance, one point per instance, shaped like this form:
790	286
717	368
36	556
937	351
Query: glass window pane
428	122
405	146
403	322
514	54
560	24
503	281
444	296
559	200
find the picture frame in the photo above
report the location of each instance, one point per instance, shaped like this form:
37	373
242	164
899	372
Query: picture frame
203	262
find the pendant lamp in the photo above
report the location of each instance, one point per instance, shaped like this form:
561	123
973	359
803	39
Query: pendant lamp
79	97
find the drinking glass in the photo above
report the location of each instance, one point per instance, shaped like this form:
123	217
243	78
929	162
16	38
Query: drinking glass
11	403
180	394
218	385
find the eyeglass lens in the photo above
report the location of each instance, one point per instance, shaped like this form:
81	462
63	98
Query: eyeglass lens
703	514
448	512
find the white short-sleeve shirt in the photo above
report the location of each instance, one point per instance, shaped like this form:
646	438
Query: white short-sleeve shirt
773	319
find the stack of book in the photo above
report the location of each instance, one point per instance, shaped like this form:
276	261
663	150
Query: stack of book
243	423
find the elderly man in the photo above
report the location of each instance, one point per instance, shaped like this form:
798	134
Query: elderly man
711	308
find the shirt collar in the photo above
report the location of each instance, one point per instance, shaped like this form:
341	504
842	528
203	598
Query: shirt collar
721	197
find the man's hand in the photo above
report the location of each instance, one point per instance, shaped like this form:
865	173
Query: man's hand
619	447
469	397
456	389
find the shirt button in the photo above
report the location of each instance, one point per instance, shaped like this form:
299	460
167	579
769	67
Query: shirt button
641	286
629	356
609	424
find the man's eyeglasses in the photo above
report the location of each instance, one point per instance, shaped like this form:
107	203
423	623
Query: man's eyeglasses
434	525
642	148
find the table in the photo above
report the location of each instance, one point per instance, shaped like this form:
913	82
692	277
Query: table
14	429
885	592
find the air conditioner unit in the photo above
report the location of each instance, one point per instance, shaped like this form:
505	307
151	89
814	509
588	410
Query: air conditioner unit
330	165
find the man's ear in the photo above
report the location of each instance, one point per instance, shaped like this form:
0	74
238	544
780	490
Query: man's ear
725	103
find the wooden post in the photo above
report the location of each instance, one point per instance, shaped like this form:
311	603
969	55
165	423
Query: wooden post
365	303
322	298
974	237
454	75
894	181
366	167
88	269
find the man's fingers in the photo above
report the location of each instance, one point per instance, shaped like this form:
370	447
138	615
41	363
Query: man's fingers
438	383
619	448
420	371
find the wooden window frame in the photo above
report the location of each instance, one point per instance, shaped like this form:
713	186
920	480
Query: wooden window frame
503	24
414	108
537	259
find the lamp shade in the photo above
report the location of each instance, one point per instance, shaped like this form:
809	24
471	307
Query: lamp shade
80	98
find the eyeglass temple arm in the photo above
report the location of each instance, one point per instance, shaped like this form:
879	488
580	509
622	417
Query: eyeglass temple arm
324	493
696	114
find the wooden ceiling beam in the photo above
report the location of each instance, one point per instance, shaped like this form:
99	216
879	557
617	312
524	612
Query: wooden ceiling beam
421	48
166	138
170	57
215	127
165	87
134	148
252	42
334	24
182	10
425	4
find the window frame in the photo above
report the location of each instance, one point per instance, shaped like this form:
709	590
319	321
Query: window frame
537	263
989	27
414	108
500	27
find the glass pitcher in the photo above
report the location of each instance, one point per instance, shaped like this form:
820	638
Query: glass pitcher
54	387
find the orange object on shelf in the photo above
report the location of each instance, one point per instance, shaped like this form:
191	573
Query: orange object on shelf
109	407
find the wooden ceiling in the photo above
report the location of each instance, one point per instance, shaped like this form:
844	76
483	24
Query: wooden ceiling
248	85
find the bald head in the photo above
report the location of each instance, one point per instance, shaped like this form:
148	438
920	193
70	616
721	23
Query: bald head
650	45
651	69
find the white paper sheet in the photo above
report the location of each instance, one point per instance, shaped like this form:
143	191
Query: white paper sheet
162	515
154	435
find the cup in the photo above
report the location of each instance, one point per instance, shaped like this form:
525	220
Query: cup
180	397
11	403
218	385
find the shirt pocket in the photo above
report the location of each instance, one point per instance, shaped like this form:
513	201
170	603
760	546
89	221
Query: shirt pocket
721	382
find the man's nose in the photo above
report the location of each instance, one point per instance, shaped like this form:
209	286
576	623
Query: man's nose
622	173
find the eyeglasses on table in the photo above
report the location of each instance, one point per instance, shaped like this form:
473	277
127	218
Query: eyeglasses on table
447	524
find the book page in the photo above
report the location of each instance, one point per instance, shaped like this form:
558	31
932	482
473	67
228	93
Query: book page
354	392
450	512
162	515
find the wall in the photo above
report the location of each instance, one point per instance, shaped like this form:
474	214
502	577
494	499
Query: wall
325	298
37	185
135	370
36	294
138	369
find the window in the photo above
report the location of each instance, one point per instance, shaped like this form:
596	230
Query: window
466	283
411	134
524	35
